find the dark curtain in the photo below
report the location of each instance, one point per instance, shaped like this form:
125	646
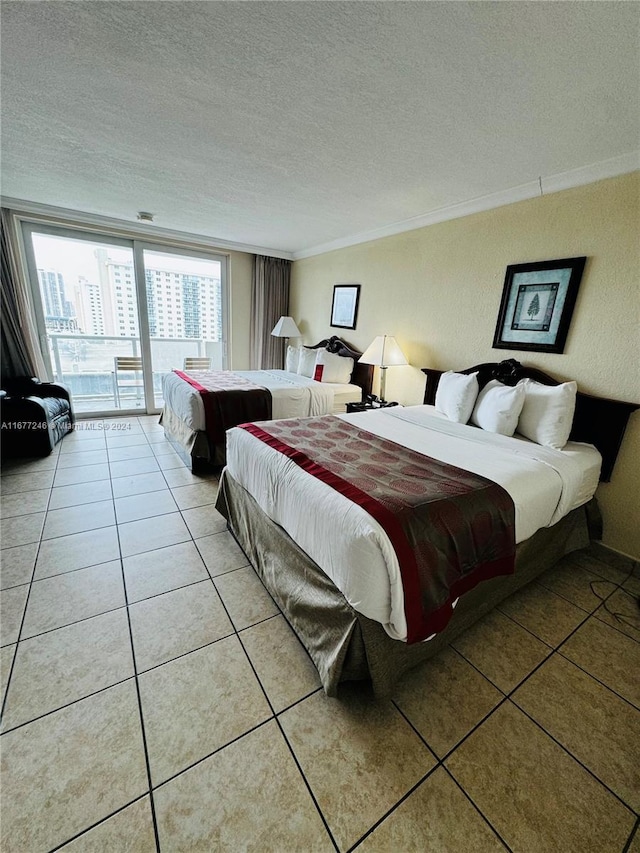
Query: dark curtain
17	360
269	302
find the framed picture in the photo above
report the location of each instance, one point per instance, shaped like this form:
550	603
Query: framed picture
344	310
537	303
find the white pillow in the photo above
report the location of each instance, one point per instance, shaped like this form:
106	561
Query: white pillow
547	414
456	394
307	363
333	368
498	407
292	360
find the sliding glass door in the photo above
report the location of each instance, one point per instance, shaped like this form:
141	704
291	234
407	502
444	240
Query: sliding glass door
185	308
114	315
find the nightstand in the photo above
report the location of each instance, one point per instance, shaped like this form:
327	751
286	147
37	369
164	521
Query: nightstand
367	406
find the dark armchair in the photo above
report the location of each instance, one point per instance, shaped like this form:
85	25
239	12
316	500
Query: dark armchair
35	416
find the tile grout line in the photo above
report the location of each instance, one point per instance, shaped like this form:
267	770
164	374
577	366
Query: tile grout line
635	833
551	652
275	716
575	758
278	723
26	603
98	823
397	805
67	705
236	634
599	681
476	807
508	697
306	782
139	697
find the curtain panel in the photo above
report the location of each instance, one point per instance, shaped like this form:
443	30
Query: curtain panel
21	355
269	301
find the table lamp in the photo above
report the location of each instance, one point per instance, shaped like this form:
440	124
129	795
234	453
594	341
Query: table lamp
383	352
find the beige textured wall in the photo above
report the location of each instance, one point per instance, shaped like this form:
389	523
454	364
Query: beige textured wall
438	289
240	272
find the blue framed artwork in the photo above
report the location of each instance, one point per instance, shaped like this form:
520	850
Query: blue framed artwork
537	303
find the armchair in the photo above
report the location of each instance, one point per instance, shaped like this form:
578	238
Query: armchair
35	416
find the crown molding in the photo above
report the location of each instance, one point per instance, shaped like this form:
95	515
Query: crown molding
611	168
621	165
134	229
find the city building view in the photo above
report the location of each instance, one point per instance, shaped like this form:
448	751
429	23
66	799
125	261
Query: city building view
91	317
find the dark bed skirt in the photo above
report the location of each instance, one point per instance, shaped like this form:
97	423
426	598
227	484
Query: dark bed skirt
343	644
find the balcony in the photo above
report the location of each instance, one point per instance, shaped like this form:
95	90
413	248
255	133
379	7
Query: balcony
84	363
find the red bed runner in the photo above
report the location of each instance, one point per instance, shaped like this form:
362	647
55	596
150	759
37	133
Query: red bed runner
228	400
450	528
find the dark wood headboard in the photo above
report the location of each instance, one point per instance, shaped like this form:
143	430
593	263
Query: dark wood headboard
362	373
597	420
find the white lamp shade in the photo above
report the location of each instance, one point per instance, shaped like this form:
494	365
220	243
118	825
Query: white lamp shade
383	352
286	328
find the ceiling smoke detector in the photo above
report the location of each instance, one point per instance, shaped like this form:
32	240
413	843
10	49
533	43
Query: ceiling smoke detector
145	216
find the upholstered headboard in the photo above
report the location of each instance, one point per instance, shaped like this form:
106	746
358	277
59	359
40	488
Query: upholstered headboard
362	373
597	420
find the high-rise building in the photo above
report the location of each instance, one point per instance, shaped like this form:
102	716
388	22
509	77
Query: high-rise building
59	313
90	307
123	298
183	305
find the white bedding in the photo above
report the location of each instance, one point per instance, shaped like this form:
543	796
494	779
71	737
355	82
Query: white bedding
292	396
352	548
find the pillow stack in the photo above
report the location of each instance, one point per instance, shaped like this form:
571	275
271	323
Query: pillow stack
541	413
321	365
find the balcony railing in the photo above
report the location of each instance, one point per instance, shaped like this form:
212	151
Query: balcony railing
85	364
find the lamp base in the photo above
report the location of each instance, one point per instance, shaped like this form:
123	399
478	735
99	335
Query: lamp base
383	383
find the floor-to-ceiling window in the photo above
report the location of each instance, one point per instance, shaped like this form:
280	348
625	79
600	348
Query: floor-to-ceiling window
115	314
185	309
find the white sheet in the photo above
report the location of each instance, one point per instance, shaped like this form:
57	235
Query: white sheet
352	548
292	395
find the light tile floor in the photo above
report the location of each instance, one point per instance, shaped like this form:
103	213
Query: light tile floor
154	698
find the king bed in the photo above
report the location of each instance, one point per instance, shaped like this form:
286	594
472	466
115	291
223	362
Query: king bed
200	406
324	508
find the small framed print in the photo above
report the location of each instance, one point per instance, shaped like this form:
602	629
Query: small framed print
537	304
344	309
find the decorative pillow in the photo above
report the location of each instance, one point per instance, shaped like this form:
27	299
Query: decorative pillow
292	360
498	407
330	367
547	414
456	395
307	363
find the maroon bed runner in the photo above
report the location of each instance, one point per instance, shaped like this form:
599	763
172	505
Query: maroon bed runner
228	400
450	528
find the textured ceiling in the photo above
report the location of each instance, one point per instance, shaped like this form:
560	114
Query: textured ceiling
290	125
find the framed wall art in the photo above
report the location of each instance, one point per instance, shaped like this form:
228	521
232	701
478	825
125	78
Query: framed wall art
537	303
344	308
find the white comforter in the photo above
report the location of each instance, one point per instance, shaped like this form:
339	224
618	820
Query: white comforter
352	548
292	395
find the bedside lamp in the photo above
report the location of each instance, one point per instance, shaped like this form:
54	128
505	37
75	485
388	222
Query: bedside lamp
286	328
383	352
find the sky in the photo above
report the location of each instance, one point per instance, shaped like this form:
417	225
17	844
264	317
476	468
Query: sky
74	258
